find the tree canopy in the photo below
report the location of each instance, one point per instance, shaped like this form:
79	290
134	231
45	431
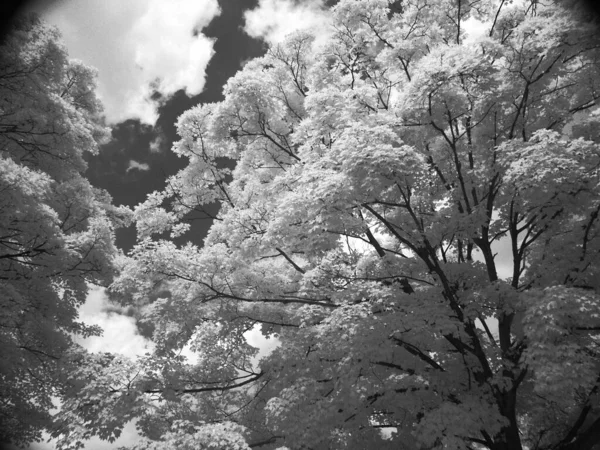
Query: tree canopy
366	187
56	230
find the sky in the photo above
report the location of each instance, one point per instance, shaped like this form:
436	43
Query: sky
156	59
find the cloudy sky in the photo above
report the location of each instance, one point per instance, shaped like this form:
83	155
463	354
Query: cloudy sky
156	59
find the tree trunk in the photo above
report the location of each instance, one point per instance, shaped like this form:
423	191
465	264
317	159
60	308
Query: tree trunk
508	438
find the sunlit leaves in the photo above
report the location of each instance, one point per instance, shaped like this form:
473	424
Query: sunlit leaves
56	230
366	188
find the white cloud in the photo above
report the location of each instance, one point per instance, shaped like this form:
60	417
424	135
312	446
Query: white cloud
120	336
265	345
133	164
128	437
120	331
475	29
156	144
273	20
136	44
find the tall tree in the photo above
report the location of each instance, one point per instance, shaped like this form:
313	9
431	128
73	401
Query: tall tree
56	230
376	177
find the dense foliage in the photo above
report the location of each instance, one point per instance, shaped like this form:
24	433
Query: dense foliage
56	230
376	177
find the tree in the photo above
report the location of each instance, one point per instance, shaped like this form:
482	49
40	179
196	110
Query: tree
56	230
375	180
